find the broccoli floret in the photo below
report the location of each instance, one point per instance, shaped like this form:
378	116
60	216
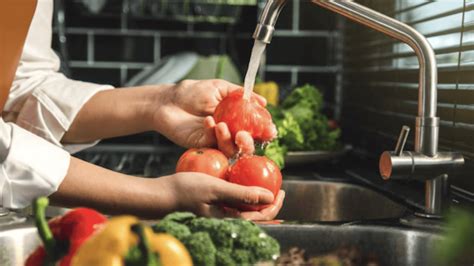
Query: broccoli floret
244	229
252	238
213	241
201	248
221	232
242	257
180	217
203	224
180	231
266	248
224	258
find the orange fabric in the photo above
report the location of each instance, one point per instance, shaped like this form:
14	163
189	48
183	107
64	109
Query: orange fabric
15	19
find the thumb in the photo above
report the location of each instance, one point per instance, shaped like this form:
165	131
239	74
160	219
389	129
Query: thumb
235	194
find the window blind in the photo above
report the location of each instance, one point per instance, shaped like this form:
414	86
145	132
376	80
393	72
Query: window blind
380	85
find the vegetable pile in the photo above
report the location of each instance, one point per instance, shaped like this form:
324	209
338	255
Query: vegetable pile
224	242
301	126
62	236
85	237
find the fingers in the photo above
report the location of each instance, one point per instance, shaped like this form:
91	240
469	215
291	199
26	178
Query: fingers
270	132
244	142
269	213
233	194
226	87
224	140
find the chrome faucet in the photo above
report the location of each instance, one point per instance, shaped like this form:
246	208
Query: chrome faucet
425	162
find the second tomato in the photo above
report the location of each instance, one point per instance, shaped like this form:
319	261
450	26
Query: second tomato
255	171
208	161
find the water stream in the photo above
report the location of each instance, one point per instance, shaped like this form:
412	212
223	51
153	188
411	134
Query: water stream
249	82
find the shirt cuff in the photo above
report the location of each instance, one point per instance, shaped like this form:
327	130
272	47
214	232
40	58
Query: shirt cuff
32	167
50	110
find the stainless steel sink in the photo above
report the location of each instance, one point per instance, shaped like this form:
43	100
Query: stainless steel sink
17	242
305	201
387	245
332	201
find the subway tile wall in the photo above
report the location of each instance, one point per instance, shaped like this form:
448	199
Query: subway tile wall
107	48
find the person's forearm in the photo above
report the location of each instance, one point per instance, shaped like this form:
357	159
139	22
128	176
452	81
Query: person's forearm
114	113
110	192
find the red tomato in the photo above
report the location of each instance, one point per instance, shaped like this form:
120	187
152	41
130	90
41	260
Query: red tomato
248	115
209	161
255	171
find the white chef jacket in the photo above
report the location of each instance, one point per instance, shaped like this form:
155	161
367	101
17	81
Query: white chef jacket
40	108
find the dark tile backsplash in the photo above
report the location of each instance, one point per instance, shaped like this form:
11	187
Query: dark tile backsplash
203	46
110	46
298	51
315	18
123	48
101	76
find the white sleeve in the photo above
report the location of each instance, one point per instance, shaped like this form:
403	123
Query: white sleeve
42	100
50	106
29	166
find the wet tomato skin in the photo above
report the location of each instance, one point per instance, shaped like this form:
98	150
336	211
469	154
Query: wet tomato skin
245	115
204	160
255	171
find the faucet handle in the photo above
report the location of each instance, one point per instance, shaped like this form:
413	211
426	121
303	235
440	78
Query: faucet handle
402	140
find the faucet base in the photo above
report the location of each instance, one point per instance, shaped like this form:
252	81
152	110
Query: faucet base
420	220
427	215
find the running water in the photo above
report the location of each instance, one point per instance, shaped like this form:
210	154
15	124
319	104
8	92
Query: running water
249	82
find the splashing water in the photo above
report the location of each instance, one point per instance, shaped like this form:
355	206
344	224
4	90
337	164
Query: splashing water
264	144
249	82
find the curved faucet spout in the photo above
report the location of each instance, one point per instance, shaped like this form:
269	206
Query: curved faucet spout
426	133
268	18
427	124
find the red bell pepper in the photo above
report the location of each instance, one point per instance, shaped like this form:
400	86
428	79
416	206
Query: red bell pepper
63	235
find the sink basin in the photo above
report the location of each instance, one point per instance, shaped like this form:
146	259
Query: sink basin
333	201
17	242
389	245
386	245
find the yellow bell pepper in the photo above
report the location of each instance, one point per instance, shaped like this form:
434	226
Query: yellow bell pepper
269	90
111	245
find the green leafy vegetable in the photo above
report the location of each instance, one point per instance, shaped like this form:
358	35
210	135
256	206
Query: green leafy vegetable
275	152
301	125
458	246
307	96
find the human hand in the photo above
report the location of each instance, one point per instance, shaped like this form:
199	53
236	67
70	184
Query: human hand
185	117
205	195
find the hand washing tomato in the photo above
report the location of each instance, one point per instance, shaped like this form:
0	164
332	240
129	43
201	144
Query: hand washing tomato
208	161
245	115
255	171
